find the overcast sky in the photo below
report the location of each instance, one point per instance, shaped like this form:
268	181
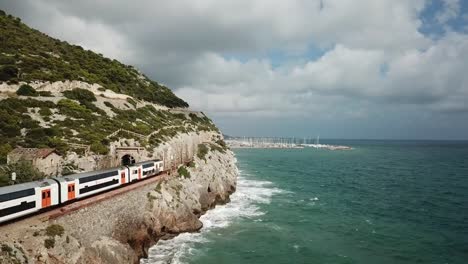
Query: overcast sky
339	68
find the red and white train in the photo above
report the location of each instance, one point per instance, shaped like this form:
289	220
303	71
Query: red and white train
27	198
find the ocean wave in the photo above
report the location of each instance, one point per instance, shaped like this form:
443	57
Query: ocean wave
244	205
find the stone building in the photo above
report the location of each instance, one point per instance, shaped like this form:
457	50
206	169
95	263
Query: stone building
46	160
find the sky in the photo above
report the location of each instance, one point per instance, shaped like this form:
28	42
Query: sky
366	69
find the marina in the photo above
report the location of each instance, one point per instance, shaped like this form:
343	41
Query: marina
280	143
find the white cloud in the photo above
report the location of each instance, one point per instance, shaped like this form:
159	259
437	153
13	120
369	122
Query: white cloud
433	79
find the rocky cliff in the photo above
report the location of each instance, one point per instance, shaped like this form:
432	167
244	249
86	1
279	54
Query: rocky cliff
121	229
97	113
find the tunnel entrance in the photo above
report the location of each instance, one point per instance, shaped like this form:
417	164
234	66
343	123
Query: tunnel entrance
127	160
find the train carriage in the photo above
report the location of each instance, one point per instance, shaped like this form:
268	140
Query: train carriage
145	169
27	198
22	199
158	164
88	183
135	172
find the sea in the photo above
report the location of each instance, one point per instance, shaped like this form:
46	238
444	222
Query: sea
381	202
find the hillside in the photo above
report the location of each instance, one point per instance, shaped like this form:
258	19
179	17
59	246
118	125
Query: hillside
29	55
53	94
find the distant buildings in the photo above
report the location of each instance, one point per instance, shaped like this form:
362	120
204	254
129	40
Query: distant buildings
46	160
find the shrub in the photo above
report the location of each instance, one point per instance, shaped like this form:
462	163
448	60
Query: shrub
26	90
109	104
71	108
215	147
183	172
4	180
193	116
99	148
54	230
44	111
202	151
45	93
6	59
25	172
6	248
222	144
8	72
4	150
81	95
131	101
49	242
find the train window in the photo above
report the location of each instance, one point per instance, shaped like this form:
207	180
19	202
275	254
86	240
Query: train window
43	195
15	209
148	165
135	171
98	176
15	195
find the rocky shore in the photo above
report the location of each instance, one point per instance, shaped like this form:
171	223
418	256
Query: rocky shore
122	229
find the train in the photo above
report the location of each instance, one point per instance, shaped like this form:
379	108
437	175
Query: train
23	199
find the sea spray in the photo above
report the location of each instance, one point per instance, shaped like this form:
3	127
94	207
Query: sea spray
243	205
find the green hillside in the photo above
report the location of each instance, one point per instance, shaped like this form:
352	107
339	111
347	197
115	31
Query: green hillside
31	118
28	55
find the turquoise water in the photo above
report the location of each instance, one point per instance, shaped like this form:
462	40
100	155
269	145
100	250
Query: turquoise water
383	202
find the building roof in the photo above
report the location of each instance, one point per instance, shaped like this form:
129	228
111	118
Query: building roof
32	153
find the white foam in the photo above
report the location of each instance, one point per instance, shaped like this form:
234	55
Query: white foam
244	205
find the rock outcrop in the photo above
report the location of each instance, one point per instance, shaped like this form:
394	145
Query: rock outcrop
122	229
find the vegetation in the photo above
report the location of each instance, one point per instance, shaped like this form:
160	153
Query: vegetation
29	55
25	172
92	126
202	151
81	95
222	144
6	248
54	230
26	90
45	94
183	172
44	111
49	242
158	188
216	147
132	102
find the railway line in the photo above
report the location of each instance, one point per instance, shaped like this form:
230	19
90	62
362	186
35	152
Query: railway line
56	211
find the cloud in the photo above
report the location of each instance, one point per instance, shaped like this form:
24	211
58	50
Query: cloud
451	10
433	79
369	58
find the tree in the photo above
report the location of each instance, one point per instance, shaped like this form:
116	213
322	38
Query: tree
4	150
8	72
25	172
